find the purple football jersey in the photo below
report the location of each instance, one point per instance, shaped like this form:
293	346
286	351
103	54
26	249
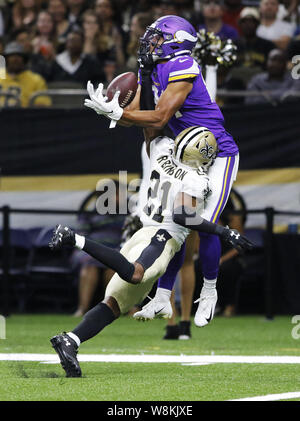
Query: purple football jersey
198	109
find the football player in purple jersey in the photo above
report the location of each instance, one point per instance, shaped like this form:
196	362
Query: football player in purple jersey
181	100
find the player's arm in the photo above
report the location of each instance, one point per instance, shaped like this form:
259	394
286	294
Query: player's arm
169	103
185	214
149	133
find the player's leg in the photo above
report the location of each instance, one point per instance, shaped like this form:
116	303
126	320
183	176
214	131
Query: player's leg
222	175
154	253
163	291
187	285
65	237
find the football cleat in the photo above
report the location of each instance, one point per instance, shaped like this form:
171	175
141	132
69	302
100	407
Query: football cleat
155	309
206	308
172	332
184	330
62	236
66	349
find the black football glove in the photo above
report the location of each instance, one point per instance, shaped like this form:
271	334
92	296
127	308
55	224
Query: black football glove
236	240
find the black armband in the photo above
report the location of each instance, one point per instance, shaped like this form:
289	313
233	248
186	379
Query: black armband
190	219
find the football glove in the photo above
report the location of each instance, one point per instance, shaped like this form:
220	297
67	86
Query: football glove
97	102
236	240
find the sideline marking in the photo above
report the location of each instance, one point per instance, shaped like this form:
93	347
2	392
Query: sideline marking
274	397
149	358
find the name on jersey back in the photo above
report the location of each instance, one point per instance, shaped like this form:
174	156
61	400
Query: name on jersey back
171	168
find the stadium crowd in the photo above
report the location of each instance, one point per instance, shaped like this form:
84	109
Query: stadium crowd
69	42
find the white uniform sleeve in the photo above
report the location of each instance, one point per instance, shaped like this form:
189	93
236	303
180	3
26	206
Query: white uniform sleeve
196	186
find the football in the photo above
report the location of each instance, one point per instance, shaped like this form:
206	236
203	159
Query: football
127	84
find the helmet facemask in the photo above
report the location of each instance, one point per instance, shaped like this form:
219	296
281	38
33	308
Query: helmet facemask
150	46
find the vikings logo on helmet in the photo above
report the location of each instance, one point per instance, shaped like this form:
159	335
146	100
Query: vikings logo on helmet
178	37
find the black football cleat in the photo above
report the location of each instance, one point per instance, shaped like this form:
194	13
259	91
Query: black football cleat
184	330
66	349
62	236
172	332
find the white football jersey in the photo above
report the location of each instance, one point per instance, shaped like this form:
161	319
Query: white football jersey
167	179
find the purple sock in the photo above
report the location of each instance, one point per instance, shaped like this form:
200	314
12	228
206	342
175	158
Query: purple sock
168	279
209	253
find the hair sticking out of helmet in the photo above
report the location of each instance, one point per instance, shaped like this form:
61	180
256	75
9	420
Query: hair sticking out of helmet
168	37
195	147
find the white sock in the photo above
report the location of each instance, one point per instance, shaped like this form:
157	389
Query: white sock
163	294
209	283
74	337
79	241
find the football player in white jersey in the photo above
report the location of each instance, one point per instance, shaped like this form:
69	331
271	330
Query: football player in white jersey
176	198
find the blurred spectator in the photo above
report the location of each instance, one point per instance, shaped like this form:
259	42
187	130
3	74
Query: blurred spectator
19	80
212	11
2	21
37	62
105	229
293	48
288	11
185	8
231	12
252	51
277	80
139	23
91	30
75	10
1	45
72	65
271	28
187	279
110	45
232	264
125	9
110	71
24	13
163	8
44	41
58	10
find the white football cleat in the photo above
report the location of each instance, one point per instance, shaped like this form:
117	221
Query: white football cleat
206	308
155	309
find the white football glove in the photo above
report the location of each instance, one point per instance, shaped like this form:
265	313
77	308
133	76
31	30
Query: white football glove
97	102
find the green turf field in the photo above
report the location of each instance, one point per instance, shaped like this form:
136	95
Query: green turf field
144	381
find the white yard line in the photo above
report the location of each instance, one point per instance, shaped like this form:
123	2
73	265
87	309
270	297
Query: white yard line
148	358
190	360
274	397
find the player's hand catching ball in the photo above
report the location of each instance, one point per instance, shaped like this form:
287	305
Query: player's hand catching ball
97	102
